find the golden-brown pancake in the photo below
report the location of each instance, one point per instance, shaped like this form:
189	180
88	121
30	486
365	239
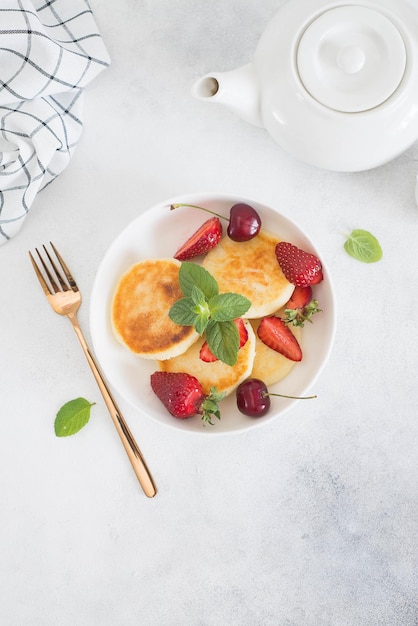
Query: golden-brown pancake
251	269
216	374
142	300
269	365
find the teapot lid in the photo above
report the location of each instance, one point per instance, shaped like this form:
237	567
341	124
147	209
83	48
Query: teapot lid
351	58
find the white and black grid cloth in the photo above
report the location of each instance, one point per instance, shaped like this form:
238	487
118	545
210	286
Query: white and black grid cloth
49	51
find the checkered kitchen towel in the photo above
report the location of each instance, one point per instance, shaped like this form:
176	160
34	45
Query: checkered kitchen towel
49	51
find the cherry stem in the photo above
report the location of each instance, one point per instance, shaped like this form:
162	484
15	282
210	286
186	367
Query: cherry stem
193	206
281	395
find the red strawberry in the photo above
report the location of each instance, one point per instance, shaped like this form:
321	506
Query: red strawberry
276	335
205	352
183	396
300	297
206	355
300	308
300	268
205	238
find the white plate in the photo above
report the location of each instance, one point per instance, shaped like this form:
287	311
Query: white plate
159	232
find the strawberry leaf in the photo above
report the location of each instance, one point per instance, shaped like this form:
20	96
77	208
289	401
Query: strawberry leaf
72	417
298	317
209	409
363	246
210	406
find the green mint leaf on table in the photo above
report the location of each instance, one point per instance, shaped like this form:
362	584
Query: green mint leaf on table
223	340
363	246
72	417
207	310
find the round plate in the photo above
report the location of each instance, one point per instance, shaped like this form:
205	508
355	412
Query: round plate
159	232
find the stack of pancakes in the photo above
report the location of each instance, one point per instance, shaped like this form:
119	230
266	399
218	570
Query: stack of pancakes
146	292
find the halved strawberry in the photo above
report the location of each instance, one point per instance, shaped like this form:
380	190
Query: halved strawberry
300	268
183	395
206	355
300	297
300	308
205	352
204	239
276	335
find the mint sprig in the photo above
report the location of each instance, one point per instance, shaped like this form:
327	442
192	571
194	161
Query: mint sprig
209	311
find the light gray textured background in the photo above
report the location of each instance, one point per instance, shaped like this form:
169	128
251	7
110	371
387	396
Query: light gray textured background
308	522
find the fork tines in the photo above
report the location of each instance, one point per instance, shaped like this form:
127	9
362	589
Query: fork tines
52	272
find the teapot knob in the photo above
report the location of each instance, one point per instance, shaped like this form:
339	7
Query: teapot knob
351	59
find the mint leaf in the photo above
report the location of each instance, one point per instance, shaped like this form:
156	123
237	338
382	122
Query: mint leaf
197	296
72	416
228	306
201	309
192	311
363	246
194	275
182	312
202	322
223	340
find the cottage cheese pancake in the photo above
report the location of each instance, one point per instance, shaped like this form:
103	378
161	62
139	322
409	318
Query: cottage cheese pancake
251	269
216	374
142	300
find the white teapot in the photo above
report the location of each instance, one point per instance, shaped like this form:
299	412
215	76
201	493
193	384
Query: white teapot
334	84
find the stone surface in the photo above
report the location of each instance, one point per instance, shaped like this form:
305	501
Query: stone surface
309	521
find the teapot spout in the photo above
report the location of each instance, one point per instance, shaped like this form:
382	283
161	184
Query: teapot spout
237	90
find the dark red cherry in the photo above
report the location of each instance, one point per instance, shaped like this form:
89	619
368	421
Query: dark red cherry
244	222
253	398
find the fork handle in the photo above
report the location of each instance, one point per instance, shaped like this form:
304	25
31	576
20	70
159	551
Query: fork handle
134	454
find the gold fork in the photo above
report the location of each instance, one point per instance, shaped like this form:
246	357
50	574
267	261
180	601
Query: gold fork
65	298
